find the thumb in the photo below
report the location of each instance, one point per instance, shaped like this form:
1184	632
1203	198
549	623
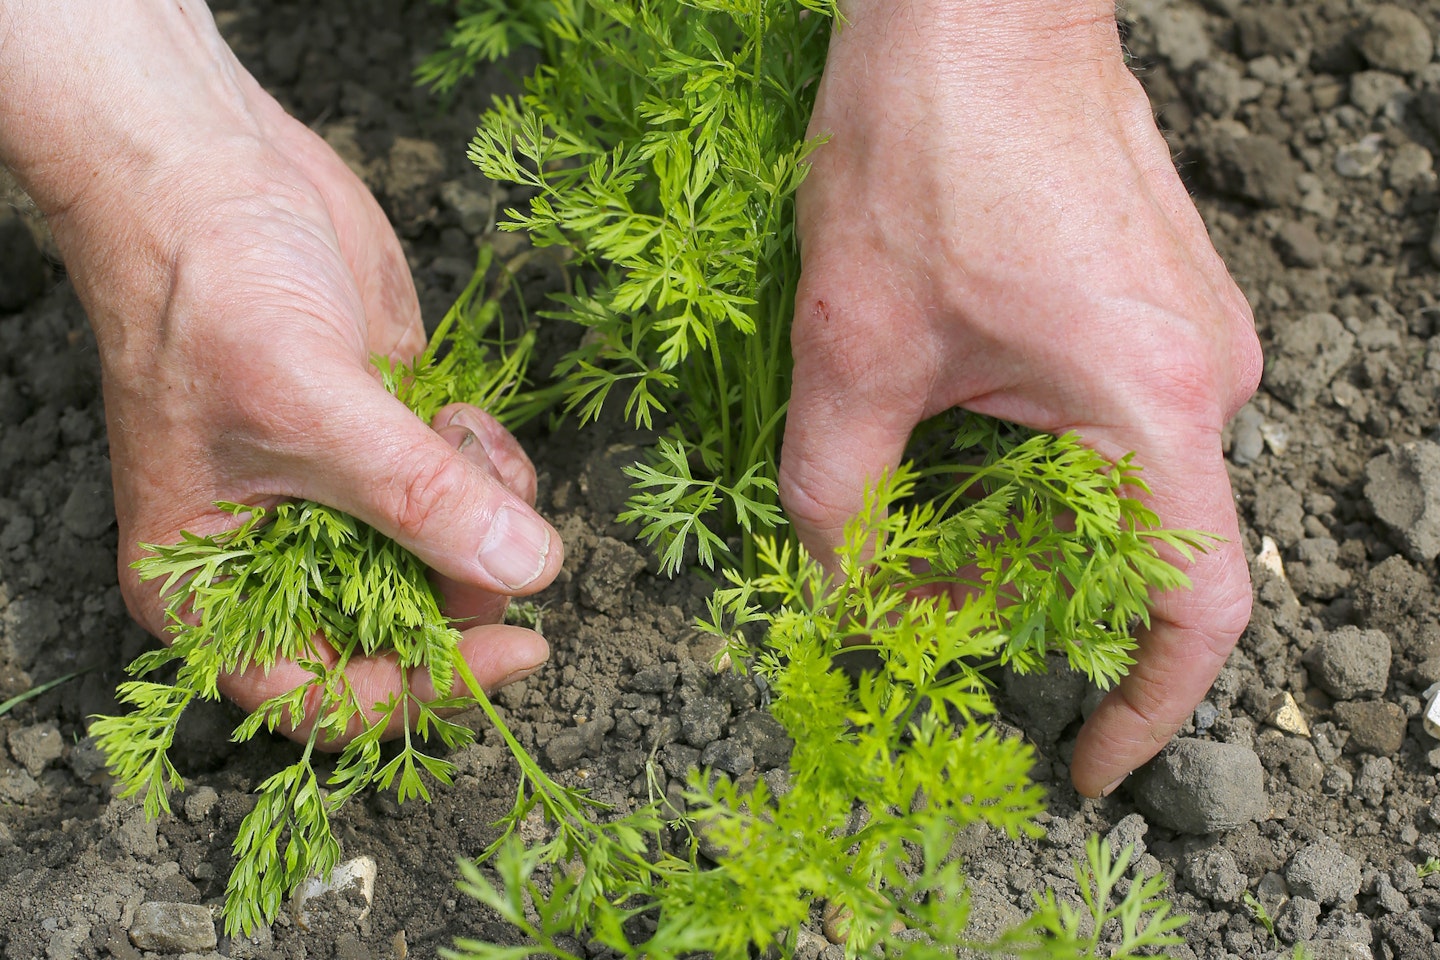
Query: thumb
409	483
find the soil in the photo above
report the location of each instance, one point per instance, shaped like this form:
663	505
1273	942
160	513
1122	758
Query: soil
1307	131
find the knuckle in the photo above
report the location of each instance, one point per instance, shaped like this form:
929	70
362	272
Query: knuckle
423	492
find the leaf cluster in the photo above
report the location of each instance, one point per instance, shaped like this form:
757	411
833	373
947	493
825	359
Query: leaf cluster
891	760
662	142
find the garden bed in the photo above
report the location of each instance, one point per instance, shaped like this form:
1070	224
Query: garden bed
1308	140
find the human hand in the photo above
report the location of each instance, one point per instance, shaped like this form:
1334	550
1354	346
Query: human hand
239	277
996	224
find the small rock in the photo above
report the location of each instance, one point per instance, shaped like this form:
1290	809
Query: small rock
606	583
1372	90
1389	899
23	278
1434	246
1247	443
1392	38
1298	920
353	877
1411	168
1324	873
1180	36
1269	31
1375	776
657	677
1299	245
199	802
16	786
89	510
1376	726
568	747
1338	950
86	759
35	746
1129	832
1214	875
1431	717
1349	663
173	928
702	720
1045	702
1403	487
1286	715
728	755
475	208
1257	168
1200	786
1357	161
1306	356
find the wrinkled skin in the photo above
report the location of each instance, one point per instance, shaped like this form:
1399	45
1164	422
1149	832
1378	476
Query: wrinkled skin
239	277
995	224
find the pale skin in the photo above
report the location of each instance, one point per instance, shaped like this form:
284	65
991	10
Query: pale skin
994	223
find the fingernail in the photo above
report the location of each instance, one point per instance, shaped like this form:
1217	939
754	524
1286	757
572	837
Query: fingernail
515	548
1114	785
517	675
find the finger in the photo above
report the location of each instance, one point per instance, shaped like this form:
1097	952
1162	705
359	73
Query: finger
468	605
373	459
1191	635
840	436
497	654
511	463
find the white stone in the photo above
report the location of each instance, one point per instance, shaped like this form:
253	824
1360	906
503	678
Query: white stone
359	872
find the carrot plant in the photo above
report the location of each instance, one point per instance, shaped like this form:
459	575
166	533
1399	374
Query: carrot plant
660	143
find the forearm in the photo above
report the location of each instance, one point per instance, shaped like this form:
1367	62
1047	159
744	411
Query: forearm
95	95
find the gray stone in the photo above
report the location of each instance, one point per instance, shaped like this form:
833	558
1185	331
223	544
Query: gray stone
1180	35
1403	487
1338	950
16	786
1375	776
1392	38
765	736
1044	703
728	755
1269	31
1324	873
1434	246
35	746
1349	662
1372	90
23	278
1257	168
569	747
1200	786
1389	899
654	678
1358	161
1298	244
199	802
1247	442
606	583
86	758
1220	88
702	720
69	943
1278	513
1129	832
1376	726
1307	354
1298	920
1214	875
1412	168
172	927
89	510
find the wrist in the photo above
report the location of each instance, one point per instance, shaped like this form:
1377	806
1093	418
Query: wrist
1028	34
156	82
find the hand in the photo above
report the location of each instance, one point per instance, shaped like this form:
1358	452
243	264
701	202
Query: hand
239	278
995	224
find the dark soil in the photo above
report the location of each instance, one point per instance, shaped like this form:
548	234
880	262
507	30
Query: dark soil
1308	133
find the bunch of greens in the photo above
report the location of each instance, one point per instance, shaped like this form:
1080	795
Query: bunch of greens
661	143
